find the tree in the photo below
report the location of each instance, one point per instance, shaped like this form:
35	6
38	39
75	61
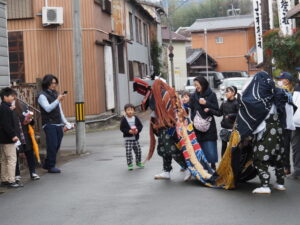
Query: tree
284	50
155	57
186	14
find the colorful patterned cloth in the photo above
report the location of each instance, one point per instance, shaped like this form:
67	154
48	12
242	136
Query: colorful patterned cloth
193	154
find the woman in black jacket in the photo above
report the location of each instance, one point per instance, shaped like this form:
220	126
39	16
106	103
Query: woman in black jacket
229	110
203	98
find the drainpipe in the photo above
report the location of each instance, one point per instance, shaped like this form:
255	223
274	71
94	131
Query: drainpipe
116	75
46	3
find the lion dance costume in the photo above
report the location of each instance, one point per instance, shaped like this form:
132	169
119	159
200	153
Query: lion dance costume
236	164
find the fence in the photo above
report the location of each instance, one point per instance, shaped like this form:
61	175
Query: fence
27	93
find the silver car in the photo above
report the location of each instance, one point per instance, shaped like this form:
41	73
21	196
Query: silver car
239	82
190	85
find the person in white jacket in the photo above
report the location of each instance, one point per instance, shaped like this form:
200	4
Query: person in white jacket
296	133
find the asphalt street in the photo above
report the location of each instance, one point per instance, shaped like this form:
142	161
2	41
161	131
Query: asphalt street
97	189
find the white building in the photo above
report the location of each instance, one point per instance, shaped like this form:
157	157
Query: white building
179	44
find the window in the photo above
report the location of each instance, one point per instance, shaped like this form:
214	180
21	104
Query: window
137	33
19	9
140	31
145	34
130	70
16	56
131	26
140	69
219	40
121	58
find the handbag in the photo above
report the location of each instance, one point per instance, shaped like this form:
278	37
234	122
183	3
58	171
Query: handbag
201	124
225	134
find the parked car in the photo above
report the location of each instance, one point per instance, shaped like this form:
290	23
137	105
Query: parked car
190	85
240	82
217	77
229	74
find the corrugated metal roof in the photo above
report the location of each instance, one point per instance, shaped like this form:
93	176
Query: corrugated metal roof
223	23
184	31
193	54
174	36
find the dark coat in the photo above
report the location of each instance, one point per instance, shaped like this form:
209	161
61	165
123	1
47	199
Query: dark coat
7	124
125	128
19	118
229	110
211	103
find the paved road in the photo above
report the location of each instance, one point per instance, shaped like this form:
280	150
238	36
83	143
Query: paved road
98	190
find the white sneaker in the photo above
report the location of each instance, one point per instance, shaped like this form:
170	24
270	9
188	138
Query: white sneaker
262	190
187	176
18	178
279	187
163	176
34	176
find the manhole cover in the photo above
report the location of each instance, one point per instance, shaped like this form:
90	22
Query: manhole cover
103	159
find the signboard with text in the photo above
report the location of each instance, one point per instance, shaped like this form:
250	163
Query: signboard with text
284	23
258	30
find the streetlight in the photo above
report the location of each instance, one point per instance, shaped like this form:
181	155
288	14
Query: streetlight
171	56
170	47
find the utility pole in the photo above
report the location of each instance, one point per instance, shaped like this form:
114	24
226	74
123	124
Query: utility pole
206	58
79	82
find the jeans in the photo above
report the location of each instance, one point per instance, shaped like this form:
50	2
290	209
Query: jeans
54	135
210	151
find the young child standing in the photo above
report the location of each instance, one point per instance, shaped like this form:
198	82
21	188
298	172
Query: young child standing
185	98
8	138
131	127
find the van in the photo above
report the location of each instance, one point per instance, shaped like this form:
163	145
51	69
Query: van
217	78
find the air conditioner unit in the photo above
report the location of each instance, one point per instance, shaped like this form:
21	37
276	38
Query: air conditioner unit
52	16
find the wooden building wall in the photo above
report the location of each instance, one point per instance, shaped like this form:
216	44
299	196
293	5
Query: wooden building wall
230	54
50	50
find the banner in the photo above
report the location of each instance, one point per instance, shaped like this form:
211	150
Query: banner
285	24
271	14
258	30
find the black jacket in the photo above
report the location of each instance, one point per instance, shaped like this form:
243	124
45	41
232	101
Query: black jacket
211	103
229	110
53	117
7	124
125	128
27	146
